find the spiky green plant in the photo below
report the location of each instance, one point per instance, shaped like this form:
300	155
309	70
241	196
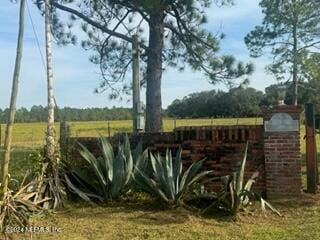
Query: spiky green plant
106	177
168	181
237	193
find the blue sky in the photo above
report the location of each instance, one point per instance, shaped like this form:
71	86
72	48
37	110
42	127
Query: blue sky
75	77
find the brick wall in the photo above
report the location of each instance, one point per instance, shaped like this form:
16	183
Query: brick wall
275	154
222	146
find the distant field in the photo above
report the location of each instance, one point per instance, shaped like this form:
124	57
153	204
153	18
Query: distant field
31	135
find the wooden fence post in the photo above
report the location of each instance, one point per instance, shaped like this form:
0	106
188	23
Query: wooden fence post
311	150
109	130
64	139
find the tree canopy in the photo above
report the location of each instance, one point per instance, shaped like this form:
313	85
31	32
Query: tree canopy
171	34
290	31
237	102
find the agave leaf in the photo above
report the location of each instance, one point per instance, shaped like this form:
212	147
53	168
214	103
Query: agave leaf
108	157
87	155
119	174
137	153
189	174
140	179
169	175
245	197
150	185
140	161
225	182
177	169
240	177
27	196
264	203
198	177
159	172
232	195
249	184
153	162
128	160
81	194
23	189
85	181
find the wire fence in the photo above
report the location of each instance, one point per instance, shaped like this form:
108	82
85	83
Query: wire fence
32	135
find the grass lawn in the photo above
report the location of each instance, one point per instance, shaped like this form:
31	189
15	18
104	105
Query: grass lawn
146	221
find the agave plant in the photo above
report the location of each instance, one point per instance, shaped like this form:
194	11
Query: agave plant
48	179
168	181
237	193
17	206
109	175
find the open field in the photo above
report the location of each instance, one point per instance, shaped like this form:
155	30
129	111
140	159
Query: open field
31	135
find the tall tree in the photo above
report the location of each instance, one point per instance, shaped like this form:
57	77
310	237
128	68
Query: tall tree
290	31
49	184
50	141
172	35
13	101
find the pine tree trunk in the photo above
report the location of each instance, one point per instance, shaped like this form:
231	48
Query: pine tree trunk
154	73
295	67
14	94
50	141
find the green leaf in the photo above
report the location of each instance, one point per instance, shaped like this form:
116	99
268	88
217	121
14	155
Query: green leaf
91	159
240	176
108	156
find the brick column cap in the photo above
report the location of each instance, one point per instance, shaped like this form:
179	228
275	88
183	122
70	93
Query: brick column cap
292	110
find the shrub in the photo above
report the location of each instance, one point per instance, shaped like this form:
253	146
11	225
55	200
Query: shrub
109	175
168	181
237	194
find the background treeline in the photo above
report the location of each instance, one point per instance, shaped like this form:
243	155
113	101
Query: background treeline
237	102
39	114
240	102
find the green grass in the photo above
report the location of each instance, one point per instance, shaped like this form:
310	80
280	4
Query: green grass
144	220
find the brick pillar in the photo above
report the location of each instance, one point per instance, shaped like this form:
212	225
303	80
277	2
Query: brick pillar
282	151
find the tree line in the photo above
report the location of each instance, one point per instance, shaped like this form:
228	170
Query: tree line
40	114
240	101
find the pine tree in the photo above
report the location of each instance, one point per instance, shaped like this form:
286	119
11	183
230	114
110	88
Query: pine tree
172	34
290	31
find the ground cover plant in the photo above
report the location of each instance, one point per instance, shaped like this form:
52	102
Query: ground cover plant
237	194
168	181
103	178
